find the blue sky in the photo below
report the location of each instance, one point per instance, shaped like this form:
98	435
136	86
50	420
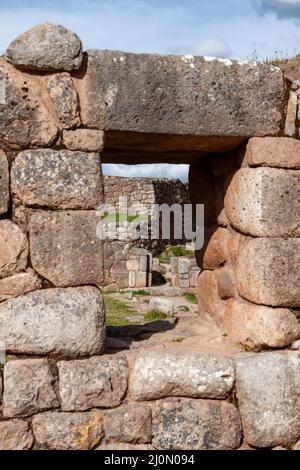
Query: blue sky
222	28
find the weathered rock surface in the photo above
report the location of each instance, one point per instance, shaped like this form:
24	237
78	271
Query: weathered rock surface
129	423
268	271
257	326
264	202
68	431
59	322
25	117
208	295
65	248
166	306
195	425
121	446
215	252
28	388
268	388
279	152
15	434
19	284
236	99
64	96
46	47
86	140
4	183
57	179
13	249
96	382
196	375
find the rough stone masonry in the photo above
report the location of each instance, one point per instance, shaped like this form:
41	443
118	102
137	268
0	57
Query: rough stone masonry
62	113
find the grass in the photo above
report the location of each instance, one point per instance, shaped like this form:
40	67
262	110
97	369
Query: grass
117	312
140	292
155	315
175	251
190	297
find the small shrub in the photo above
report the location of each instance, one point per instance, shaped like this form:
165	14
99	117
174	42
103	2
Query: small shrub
190	297
155	315
184	308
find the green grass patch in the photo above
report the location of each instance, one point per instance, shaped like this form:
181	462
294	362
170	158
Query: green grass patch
190	297
164	259
140	292
155	315
117	312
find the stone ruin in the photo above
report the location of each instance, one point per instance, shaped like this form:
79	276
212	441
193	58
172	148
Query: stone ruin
63	113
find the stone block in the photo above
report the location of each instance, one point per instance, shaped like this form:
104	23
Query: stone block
185	424
28	388
95	382
278	152
166	306
86	140
268	271
257	326
268	388
65	248
19	284
57	179
129	423
13	249
195	375
64	96
55	322
263	202
68	431
15	434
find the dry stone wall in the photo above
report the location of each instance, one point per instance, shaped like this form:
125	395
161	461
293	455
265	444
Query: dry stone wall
62	113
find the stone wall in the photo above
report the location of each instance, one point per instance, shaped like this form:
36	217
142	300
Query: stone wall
250	280
185	272
62	113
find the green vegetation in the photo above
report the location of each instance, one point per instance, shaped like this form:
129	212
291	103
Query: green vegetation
175	251
190	297
117	217
155	315
140	292
117	312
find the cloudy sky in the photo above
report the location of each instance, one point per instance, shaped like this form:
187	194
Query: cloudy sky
220	28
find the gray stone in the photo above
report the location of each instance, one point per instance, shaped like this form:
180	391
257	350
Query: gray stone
65	248
19	284
15	434
264	202
4	183
185	424
13	249
166	306
28	388
257	326
129	423
268	273
68	431
223	101
195	375
26	118
86	140
268	388
64	96
183	265
296	345
57	179
56	322
96	382
46	47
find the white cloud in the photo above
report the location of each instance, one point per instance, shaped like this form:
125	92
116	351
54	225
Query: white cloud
154	170
207	47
